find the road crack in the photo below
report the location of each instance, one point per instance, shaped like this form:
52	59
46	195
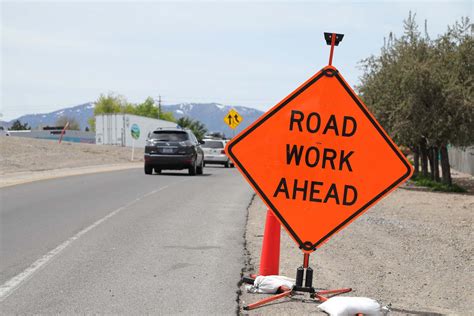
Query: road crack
248	266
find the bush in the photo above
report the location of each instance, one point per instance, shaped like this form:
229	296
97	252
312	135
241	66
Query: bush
421	181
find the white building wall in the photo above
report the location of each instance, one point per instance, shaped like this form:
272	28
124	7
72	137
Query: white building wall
109	129
115	129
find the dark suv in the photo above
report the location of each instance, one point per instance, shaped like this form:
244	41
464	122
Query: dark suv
173	148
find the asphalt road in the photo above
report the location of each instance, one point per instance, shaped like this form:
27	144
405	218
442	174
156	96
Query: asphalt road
123	242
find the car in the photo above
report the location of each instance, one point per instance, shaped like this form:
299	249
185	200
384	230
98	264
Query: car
214	152
175	149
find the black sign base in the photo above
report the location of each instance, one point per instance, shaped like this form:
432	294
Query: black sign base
303	272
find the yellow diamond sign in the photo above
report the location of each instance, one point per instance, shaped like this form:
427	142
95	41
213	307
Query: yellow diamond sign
233	118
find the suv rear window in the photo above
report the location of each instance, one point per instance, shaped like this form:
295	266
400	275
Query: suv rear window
169	136
212	144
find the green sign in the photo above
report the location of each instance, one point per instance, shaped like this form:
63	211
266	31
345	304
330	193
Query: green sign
135	131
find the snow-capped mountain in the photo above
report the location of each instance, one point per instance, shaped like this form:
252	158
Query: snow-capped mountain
80	112
211	114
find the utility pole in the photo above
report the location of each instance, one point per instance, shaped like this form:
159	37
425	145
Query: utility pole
159	107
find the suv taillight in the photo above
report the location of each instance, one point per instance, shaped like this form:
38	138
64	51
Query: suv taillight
222	151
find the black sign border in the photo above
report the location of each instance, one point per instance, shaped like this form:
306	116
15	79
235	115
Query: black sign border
329	72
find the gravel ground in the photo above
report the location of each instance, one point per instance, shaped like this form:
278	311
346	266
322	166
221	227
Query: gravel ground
28	154
413	249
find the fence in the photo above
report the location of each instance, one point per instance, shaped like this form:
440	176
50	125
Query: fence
462	159
69	136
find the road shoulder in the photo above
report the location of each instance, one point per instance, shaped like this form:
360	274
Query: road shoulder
31	176
412	249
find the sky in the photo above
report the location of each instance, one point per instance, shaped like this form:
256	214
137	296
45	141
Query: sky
61	54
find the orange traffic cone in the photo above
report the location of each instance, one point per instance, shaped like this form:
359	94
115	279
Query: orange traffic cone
270	258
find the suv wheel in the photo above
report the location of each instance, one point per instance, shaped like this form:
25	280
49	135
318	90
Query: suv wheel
158	170
227	165
193	169
200	169
148	169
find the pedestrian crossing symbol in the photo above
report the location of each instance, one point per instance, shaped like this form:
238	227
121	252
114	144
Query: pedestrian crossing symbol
233	118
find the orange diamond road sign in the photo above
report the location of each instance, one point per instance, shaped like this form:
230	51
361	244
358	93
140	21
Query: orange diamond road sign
319	159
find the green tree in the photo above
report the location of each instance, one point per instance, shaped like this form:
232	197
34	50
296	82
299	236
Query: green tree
198	128
391	83
453	69
118	104
73	123
167	116
421	92
110	103
91	122
128	108
147	108
18	126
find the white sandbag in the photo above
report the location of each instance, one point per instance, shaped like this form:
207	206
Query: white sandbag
349	306
269	284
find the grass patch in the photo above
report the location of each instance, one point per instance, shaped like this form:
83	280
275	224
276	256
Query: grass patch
436	186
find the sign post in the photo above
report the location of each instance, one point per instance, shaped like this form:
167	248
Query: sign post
135	132
319	159
63	131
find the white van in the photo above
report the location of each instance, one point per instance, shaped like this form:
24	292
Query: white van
214	152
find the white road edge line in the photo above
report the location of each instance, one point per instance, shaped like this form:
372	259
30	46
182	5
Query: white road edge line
14	283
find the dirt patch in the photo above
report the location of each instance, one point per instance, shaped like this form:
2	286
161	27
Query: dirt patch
414	249
26	159
19	154
464	180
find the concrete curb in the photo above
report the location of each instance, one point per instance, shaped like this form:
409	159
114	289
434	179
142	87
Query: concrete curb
31	176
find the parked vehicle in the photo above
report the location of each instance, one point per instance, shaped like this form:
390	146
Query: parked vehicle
173	148
214	152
